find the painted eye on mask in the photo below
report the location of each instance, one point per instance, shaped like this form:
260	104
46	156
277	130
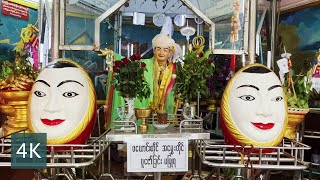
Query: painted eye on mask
277	99
70	94
39	93
247	98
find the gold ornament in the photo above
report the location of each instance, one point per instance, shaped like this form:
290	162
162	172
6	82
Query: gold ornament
294	119
198	42
143	113
15	110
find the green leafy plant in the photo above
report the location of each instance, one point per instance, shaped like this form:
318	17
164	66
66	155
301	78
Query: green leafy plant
192	75
6	70
230	173
129	77
298	90
17	76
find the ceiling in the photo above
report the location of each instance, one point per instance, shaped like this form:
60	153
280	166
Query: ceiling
149	7
174	6
212	8
220	9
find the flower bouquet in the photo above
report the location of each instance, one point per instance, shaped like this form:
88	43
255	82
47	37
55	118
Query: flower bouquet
193	74
192	77
129	80
129	77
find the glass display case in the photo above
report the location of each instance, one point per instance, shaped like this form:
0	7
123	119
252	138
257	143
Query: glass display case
229	19
126	27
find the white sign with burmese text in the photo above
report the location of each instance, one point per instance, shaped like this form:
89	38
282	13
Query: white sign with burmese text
157	155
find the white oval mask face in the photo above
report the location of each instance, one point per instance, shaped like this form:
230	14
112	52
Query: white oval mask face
257	106
59	101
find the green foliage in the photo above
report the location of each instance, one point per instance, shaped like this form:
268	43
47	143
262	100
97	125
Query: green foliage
129	78
17	76
6	70
17	68
230	173
302	89
192	75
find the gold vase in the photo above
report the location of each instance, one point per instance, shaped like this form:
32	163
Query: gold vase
15	110
143	113
295	117
212	105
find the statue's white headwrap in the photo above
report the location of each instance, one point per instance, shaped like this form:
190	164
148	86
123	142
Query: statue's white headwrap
164	39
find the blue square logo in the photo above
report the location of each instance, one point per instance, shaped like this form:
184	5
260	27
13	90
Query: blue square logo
28	150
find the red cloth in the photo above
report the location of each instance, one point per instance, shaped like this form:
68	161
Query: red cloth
34	41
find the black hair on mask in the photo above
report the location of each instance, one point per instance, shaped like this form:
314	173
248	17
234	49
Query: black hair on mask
61	64
257	69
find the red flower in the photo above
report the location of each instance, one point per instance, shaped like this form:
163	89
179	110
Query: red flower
135	57
201	54
125	61
115	69
143	65
118	64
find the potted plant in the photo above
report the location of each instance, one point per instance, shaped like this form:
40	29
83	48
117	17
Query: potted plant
129	80
16	80
192	75
297	89
16	76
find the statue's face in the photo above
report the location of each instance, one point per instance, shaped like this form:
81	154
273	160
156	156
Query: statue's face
59	101
162	54
257	106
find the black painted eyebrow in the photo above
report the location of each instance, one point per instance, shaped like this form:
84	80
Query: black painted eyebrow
43	81
274	86
67	81
248	85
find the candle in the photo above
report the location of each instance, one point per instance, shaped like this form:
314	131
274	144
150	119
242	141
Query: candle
269	59
233	63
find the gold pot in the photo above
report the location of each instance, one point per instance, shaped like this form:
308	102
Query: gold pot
7	110
143	113
15	110
212	105
15	95
295	117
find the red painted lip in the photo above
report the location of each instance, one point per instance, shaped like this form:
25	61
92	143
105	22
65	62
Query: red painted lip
52	122
263	126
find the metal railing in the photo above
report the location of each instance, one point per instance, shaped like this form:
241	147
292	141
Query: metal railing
62	159
287	156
